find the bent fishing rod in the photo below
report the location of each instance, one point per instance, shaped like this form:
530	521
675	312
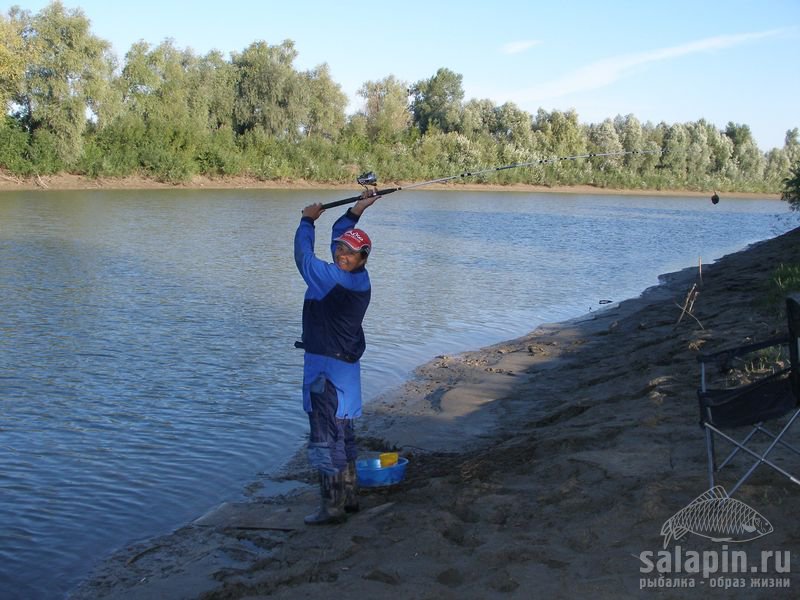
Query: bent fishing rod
371	180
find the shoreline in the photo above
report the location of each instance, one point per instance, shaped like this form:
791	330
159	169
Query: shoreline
547	463
68	182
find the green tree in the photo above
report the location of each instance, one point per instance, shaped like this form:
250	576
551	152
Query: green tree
326	104
163	82
436	102
168	95
444	154
630	133
748	158
513	125
270	93
698	154
212	79
676	151
722	165
478	118
791	145
385	109
12	59
354	140
649	162
604	139
67	79
13	139
559	133
791	188
631	136
777	166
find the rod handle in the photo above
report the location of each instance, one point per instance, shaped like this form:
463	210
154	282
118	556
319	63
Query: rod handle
357	198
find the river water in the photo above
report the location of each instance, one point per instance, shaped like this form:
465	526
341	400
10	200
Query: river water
146	364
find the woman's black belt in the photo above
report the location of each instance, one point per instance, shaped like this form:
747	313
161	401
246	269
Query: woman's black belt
348	358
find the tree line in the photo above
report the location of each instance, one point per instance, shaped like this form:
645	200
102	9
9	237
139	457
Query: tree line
169	113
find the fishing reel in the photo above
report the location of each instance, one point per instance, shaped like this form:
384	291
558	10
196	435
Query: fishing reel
367	179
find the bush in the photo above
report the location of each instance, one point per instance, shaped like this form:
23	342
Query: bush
168	151
785	280
170	165
113	151
44	153
791	188
266	157
14	150
219	155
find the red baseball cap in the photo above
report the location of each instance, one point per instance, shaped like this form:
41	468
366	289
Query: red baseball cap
357	240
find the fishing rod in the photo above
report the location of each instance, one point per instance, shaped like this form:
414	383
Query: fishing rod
371	180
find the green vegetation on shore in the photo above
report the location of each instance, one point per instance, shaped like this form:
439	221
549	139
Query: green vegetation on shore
785	280
791	187
169	114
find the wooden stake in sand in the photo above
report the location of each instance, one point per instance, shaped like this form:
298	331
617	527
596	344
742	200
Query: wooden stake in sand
688	304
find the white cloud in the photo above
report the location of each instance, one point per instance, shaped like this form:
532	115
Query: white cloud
517	47
606	72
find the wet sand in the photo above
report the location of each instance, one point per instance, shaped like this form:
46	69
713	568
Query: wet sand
539	467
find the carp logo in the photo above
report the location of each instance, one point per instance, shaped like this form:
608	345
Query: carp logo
718	517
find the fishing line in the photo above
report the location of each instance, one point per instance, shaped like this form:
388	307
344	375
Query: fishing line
371	180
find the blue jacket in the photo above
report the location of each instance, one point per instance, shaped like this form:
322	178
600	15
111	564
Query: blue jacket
333	310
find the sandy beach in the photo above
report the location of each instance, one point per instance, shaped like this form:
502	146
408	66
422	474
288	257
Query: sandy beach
540	467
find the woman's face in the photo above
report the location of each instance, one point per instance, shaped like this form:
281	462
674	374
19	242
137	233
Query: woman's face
348	259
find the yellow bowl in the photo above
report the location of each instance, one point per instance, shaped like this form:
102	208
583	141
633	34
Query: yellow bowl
388	459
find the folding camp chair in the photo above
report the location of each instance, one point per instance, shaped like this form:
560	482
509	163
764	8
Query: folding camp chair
766	399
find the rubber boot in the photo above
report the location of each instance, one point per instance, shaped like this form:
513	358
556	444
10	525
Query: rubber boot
351	488
331	494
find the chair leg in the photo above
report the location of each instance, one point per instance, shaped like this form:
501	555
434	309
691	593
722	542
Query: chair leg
786	445
760	458
735	451
712	466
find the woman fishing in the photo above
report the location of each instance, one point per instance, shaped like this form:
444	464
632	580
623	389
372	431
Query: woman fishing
334	306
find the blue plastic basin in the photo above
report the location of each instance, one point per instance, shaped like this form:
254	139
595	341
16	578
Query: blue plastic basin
371	474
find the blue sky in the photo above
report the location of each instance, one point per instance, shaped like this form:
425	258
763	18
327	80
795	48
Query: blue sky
673	61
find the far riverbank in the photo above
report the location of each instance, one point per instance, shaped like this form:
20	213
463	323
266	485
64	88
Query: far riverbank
67	181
